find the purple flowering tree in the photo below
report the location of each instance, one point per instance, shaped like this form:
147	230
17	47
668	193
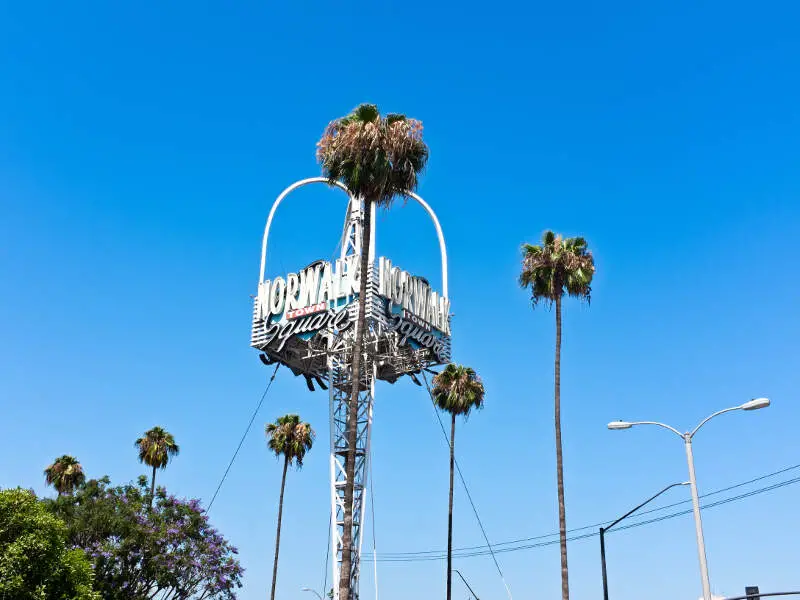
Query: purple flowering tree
167	552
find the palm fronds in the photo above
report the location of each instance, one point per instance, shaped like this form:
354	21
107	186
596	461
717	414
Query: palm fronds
376	157
556	267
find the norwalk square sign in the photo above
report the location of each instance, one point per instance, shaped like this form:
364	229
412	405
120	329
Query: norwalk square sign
298	315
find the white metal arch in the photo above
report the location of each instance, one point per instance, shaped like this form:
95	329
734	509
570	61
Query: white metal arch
440	235
302	182
278	200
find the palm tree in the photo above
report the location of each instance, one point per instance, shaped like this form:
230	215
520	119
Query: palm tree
290	438
156	449
65	474
559	266
456	390
377	158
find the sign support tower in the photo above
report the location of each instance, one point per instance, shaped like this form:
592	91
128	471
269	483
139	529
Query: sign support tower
306	322
339	376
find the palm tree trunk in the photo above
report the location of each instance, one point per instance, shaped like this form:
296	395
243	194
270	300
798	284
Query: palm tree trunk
278	535
352	408
152	487
562	512
450	509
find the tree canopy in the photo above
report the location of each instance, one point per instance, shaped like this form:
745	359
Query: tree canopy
156	447
291	438
556	267
376	157
65	474
35	562
457	390
138	552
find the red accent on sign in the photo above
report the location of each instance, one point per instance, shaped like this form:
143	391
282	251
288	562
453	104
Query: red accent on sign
308	310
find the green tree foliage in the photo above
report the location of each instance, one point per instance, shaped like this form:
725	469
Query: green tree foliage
557	267
290	438
35	563
65	474
139	551
377	158
156	448
456	390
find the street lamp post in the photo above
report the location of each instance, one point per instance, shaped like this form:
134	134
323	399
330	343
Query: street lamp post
603	531
465	583
315	592
754	404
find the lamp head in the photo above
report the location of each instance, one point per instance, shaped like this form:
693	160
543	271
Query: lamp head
614	425
755	404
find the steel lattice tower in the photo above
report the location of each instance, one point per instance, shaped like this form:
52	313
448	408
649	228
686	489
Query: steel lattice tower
325	355
340	379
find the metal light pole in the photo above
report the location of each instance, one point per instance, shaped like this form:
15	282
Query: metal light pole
754	404
625	516
465	583
315	592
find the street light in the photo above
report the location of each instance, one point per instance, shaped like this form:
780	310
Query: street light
315	592
465	583
603	531
754	404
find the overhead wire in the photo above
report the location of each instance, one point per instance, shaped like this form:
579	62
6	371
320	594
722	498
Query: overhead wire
327	555
602	523
372	510
244	435
443	555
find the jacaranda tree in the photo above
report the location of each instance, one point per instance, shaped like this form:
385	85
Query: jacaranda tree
551	270
160	552
290	438
378	158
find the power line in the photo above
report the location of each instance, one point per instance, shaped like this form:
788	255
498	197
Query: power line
442	556
466	489
244	435
327	555
498	545
372	507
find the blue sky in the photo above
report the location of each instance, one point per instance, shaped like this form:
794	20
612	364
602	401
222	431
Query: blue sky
141	146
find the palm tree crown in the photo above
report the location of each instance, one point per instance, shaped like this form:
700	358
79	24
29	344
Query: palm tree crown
376	157
458	390
157	447
557	267
65	474
290	438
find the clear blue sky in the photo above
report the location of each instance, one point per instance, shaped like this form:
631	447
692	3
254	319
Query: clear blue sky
141	145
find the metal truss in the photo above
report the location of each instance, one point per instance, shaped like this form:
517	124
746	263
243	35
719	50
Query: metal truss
339	399
340	379
328	355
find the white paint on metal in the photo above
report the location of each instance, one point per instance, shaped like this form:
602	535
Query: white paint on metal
283	194
310	180
440	235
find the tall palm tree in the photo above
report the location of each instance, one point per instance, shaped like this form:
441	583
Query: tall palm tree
456	390
156	448
558	266
377	158
65	474
290	438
